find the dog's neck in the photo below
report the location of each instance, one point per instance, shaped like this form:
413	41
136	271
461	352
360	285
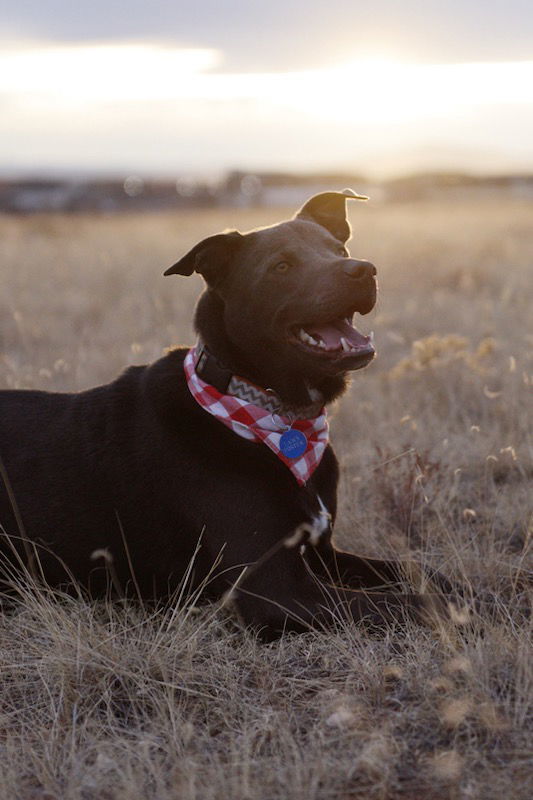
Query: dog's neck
291	387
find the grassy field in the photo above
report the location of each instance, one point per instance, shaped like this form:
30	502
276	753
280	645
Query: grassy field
101	702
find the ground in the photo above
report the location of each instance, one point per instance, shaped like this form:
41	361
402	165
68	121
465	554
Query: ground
113	702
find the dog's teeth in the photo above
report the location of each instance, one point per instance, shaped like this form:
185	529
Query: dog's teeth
345	346
371	337
306	337
322	344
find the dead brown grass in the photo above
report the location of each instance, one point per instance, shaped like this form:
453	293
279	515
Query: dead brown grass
105	702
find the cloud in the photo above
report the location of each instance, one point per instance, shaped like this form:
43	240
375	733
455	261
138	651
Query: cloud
291	34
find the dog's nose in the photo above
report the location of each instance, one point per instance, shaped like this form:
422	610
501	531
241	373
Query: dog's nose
359	269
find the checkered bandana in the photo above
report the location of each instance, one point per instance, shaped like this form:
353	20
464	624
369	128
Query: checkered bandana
259	425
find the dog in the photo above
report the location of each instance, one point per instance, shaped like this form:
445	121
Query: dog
212	465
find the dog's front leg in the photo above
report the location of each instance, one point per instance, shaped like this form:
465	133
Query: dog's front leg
284	595
357	572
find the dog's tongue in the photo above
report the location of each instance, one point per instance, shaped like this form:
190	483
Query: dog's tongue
332	332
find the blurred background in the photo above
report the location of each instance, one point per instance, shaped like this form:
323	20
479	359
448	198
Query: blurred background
129	105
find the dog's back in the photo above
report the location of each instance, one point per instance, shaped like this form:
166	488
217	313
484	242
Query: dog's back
52	451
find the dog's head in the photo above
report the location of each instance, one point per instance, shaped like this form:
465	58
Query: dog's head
280	301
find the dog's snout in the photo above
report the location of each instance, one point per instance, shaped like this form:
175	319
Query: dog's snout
360	270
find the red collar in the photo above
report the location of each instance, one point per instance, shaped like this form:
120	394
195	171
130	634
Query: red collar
258	424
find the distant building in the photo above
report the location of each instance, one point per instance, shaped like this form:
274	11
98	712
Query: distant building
105	196
240	189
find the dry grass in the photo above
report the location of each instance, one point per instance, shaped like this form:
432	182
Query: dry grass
109	702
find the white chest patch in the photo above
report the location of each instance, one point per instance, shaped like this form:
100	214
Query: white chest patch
311	531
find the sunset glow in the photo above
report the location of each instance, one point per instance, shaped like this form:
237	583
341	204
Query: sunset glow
60	98
379	88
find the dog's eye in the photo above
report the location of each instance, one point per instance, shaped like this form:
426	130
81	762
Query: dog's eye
282	266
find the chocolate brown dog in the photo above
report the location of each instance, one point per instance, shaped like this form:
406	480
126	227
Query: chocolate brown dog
218	453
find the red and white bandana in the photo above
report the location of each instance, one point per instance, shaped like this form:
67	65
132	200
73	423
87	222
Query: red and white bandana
259	425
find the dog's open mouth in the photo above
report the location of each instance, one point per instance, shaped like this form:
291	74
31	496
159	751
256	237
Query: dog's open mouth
336	339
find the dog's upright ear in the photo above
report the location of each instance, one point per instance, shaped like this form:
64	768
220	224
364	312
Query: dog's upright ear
211	257
329	210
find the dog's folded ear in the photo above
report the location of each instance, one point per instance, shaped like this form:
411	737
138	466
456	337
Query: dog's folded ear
329	210
211	257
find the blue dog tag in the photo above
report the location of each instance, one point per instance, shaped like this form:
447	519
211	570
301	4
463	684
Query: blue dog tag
293	443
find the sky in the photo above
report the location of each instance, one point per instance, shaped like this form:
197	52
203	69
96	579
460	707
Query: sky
198	88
